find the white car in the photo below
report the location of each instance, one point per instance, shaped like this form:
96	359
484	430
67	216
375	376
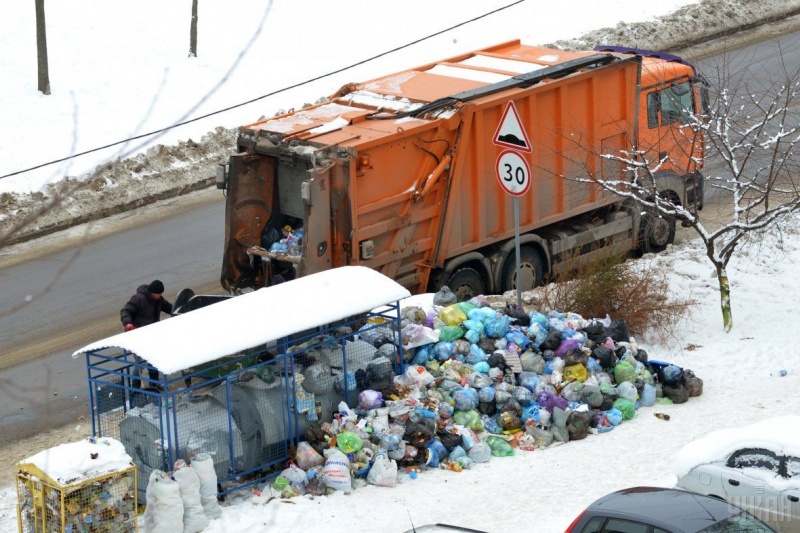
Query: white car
756	467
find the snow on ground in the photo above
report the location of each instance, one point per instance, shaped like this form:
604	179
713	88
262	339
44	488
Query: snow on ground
544	490
139	78
112	97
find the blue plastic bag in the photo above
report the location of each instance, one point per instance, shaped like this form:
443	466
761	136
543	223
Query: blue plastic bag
486	394
614	416
518	338
498	326
465	399
482	367
443	350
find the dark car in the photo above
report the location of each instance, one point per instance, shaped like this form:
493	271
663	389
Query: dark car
661	510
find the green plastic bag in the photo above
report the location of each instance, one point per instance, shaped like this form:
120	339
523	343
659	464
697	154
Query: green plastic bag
470	419
626	407
450	333
465	307
500	447
624	371
349	442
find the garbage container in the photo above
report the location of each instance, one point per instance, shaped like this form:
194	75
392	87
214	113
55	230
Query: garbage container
83	486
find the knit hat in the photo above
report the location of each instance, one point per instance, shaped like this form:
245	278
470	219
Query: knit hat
155	287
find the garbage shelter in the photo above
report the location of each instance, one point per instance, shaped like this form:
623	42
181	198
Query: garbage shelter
242	379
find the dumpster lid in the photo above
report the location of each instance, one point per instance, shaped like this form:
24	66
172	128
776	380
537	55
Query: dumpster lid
256	318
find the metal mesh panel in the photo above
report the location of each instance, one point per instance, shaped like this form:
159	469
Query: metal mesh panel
106	503
244	410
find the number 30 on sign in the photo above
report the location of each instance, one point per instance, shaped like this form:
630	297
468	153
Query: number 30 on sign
513	173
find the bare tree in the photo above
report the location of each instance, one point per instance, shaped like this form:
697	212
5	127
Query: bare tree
750	123
41	49
193	31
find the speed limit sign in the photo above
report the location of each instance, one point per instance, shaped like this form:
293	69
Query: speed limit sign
513	173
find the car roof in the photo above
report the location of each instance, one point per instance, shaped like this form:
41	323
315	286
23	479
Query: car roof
680	509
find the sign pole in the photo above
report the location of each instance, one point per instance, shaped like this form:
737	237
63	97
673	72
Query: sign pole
516	245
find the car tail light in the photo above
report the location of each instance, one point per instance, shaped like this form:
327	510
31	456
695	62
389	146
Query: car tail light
571	527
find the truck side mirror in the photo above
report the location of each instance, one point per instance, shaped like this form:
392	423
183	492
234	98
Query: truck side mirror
221	178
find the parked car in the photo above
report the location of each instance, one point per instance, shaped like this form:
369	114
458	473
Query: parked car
664	510
442	528
756	467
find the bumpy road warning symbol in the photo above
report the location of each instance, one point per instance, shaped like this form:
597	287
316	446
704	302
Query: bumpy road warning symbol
510	133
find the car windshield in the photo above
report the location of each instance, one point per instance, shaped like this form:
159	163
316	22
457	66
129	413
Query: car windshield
739	523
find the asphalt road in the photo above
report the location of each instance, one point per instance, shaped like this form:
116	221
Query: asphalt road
65	291
41	385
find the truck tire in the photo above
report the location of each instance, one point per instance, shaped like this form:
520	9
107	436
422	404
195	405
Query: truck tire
466	283
657	231
531	269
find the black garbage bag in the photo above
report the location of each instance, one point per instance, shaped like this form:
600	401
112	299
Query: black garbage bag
575	356
486	344
578	424
487	408
641	356
553	340
420	432
512	406
605	356
621	351
596	332
519	315
618	331
450	440
269	236
692	383
497	360
675	392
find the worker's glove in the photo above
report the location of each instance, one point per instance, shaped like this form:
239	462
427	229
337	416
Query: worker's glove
129	327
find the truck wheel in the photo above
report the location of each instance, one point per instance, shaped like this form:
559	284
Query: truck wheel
657	231
466	283
531	270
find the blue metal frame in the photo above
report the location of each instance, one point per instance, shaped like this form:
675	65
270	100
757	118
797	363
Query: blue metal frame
113	399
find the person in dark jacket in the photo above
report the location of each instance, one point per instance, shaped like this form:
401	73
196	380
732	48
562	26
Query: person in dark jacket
144	308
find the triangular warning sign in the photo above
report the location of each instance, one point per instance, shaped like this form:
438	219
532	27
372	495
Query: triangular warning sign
510	133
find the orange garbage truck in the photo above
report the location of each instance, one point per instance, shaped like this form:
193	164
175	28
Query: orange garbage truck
415	174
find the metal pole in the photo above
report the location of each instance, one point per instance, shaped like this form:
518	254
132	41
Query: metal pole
516	246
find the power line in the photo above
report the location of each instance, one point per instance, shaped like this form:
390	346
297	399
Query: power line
256	99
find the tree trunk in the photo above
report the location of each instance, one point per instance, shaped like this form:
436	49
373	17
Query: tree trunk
41	49
725	298
193	31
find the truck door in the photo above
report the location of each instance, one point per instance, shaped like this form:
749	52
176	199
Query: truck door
315	192
247	209
669	136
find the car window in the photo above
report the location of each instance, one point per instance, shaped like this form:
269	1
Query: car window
615	525
674	103
755	458
793	467
595	525
739	523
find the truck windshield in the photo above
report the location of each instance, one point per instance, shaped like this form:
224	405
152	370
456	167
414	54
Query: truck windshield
672	104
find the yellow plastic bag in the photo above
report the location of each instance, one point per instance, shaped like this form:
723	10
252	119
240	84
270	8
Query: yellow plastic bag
575	373
452	315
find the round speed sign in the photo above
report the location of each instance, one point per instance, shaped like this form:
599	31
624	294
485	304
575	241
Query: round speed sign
513	173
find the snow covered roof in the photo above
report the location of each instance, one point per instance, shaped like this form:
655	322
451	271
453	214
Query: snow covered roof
256	318
75	462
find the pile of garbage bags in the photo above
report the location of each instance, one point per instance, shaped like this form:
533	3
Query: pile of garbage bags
481	381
